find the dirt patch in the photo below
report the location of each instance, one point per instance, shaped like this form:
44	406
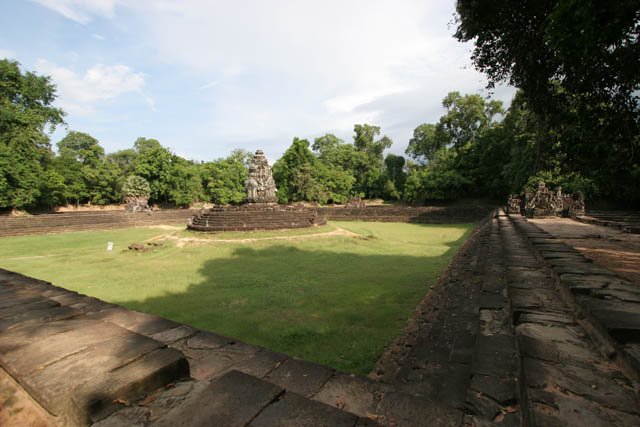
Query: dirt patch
17	408
605	246
183	241
167	227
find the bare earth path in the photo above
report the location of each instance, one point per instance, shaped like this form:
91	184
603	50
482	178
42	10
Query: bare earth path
608	247
182	241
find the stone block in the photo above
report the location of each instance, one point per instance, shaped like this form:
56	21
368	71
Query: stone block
352	394
233	400
299	376
293	410
401	409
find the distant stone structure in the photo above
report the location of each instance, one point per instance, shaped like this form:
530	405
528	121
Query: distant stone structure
260	186
513	205
545	202
260	210
137	204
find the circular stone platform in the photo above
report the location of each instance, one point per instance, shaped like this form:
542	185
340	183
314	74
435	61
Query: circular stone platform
255	217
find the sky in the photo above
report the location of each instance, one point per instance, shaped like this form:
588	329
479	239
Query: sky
205	77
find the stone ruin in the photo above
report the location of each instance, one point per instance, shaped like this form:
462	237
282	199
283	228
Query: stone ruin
260	210
260	186
545	202
137	204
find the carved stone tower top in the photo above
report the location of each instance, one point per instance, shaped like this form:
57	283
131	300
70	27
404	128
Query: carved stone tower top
260	185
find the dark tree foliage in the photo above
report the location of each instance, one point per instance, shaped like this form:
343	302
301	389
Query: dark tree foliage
577	63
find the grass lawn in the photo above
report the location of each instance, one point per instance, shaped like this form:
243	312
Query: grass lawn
337	300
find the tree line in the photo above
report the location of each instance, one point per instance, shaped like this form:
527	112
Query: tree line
573	123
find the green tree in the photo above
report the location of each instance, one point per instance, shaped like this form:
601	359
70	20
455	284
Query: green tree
394	176
88	176
465	119
154	163
124	160
186	184
26	114
295	174
369	163
576	63
136	186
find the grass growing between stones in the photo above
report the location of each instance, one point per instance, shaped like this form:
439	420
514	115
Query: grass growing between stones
336	300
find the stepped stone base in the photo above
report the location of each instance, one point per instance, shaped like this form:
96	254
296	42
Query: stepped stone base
255	217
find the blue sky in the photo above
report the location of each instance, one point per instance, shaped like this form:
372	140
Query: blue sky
204	77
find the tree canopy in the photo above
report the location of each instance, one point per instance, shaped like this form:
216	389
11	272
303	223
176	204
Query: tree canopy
26	114
577	64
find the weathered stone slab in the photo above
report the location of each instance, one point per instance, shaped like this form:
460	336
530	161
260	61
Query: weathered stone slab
172	335
39	316
626	295
14	300
217	361
545	318
352	394
53	383
614	315
501	390
233	400
566	409
555	255
541	299
300	376
296	411
576	262
492	301
30	333
401	409
19	309
610	390
261	363
582	269
554	343
555	247
135	321
26	359
102	396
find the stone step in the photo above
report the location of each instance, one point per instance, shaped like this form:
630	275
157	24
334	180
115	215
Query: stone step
609	303
76	367
565	378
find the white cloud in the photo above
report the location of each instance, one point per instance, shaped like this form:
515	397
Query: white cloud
310	67
97	36
80	94
261	72
81	11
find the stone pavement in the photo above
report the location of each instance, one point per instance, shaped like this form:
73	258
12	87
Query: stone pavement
627	221
504	338
497	339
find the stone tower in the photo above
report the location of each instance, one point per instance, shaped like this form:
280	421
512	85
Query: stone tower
260	185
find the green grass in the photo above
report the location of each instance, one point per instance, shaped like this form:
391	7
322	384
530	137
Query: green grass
335	300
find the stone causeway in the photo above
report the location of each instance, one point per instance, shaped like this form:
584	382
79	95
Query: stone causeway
522	329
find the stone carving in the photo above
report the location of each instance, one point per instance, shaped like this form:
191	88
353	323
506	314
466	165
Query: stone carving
260	185
513	205
551	203
574	204
543	202
137	204
355	202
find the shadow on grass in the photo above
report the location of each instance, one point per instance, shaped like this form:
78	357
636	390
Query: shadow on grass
336	308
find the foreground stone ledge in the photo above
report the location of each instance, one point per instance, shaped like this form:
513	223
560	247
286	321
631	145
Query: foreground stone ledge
86	361
609	303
